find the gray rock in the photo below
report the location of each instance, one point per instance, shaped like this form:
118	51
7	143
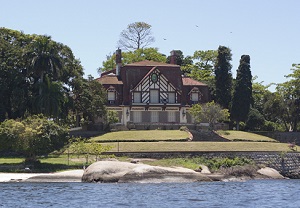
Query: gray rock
270	172
115	171
205	169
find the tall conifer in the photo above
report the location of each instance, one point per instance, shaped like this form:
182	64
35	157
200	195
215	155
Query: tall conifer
242	95
223	77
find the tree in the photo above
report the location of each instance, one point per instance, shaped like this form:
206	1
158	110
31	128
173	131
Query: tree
136	36
43	56
255	120
89	99
260	93
52	100
290	94
242	95
223	77
277	110
150	54
203	68
25	62
86	148
210	112
14	86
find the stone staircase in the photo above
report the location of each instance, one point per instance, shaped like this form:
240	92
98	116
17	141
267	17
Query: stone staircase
207	136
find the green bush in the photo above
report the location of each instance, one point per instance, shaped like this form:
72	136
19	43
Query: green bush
33	136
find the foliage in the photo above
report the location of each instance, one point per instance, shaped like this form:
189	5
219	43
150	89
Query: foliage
193	163
82	147
137	35
255	120
289	94
217	163
35	69
209	112
223	77
242	95
260	93
112	117
180	59
150	54
203	68
34	136
90	99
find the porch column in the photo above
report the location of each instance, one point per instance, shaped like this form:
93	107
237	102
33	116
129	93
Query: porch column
125	115
183	115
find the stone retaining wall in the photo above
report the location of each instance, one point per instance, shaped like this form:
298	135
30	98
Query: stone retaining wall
288	164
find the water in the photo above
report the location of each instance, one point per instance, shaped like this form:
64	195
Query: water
256	193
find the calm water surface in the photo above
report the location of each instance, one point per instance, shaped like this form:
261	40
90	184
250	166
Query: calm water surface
256	193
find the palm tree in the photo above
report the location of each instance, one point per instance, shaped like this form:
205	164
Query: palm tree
52	99
43	56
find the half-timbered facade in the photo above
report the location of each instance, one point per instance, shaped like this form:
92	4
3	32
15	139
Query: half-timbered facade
152	92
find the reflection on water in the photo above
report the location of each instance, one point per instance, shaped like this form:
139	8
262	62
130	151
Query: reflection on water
257	193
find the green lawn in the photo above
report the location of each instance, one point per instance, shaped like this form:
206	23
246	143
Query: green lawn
244	136
146	135
197	146
10	160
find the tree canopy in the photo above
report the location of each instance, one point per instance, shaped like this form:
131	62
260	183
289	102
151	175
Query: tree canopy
38	75
137	35
141	54
210	112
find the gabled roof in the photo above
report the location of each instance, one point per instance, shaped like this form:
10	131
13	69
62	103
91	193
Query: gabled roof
144	77
109	79
187	81
151	63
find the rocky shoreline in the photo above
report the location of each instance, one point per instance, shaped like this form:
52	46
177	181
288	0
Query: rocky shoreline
128	172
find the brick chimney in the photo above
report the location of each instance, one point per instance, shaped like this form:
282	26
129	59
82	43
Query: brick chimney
173	57
118	62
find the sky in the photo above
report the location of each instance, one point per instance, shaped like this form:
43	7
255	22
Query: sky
266	30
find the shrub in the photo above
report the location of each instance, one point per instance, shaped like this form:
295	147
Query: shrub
34	136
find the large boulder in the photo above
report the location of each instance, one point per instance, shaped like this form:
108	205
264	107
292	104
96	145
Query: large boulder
270	173
116	171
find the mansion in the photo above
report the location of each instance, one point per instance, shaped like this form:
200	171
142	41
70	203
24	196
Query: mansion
149	92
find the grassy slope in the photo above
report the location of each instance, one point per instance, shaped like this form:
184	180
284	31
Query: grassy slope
168	140
196	146
147	135
244	136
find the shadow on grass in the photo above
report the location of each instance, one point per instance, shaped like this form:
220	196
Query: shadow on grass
36	167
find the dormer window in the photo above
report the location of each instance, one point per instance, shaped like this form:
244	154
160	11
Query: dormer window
194	94
111	94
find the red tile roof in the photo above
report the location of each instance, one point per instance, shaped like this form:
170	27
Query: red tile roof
109	79
191	82
151	63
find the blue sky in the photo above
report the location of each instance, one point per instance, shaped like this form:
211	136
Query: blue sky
266	30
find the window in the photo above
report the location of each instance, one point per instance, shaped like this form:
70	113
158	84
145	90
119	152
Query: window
154	98
154	116
171	116
137	116
171	97
111	96
195	96
137	97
